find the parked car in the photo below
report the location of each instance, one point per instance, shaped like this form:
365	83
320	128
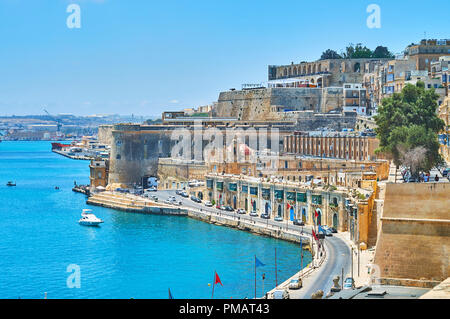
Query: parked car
445	172
178	191
208	203
254	214
321	235
184	194
349	283
265	216
280	294
229	209
326	231
299	222
218	206
333	230
295	284
278	219
241	211
154	198
223	207
195	199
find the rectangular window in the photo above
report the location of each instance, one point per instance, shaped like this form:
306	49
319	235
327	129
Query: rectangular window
290	195
301	197
279	194
209	183
316	199
232	187
253	190
219	186
244	189
265	192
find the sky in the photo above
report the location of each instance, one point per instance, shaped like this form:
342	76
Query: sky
144	57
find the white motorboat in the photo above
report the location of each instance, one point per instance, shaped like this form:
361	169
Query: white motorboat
89	219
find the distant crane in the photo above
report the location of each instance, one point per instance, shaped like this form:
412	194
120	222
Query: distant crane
58	125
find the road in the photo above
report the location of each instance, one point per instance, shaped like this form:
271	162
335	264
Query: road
338	259
338	253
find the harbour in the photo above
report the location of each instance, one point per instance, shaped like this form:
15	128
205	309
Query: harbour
126	257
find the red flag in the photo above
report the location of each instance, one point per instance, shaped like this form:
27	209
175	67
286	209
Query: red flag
288	206
314	235
217	279
315	213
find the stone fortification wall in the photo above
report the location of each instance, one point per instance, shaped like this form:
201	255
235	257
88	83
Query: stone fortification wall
271	103
135	152
105	134
414	241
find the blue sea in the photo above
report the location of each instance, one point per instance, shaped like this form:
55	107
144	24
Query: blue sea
130	255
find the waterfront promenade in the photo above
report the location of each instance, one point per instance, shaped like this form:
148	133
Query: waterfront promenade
330	261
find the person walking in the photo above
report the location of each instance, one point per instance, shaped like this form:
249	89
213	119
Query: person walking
436	179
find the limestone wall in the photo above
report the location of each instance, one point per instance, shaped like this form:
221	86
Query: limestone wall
135	153
414	240
261	104
105	134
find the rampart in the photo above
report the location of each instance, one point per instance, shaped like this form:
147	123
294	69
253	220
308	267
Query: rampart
413	244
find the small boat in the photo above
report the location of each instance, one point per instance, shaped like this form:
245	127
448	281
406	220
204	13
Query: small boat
10	183
89	219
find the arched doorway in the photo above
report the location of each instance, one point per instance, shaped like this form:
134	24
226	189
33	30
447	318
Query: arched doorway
266	208
304	214
335	221
279	211
254	206
200	195
246	204
234	202
291	213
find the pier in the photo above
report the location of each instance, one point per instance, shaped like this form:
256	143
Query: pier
135	204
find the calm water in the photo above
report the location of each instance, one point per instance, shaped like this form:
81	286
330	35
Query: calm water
129	256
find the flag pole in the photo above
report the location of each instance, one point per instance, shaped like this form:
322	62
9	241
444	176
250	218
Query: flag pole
301	255
255	276
276	277
214	279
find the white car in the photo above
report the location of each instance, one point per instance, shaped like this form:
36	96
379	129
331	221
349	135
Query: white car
280	294
278	219
208	203
241	211
295	284
254	214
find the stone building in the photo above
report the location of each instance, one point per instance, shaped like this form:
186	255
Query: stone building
427	51
332	145
176	174
99	170
325	73
279	199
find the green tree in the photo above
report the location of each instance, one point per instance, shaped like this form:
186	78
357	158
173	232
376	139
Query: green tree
408	126
357	52
330	54
382	52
